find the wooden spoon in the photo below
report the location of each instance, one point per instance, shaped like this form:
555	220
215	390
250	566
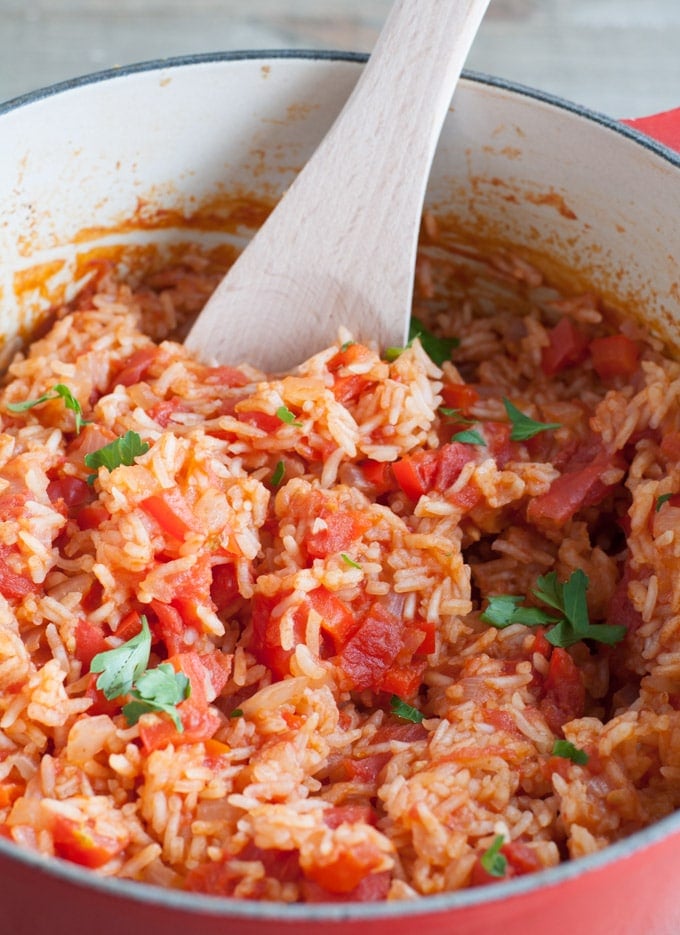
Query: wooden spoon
340	247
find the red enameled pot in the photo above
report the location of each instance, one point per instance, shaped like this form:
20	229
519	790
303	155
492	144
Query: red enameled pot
134	162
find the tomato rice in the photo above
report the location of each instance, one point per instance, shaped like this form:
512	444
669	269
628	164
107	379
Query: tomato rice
345	573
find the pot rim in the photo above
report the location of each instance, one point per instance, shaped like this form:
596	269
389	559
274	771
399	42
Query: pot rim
222	907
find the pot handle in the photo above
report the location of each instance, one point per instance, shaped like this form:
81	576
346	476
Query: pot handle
663	127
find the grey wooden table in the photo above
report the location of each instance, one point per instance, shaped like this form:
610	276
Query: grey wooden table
620	57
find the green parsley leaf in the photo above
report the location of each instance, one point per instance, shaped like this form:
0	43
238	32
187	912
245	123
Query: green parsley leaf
122	450
437	349
492	860
284	413
549	590
566	749
406	711
57	391
237	712
122	666
278	474
349	561
524	427
29	403
568	599
456	414
504	610
661	499
159	689
343	347
469	437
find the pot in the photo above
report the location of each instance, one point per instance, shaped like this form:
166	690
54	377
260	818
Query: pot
132	163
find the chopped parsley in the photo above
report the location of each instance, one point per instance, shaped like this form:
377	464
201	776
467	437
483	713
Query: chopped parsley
349	561
524	427
59	390
122	450
456	414
121	667
123	671
278	474
285	415
469	437
343	347
492	860
437	349
566	749
237	712
570	625
405	711
159	689
661	499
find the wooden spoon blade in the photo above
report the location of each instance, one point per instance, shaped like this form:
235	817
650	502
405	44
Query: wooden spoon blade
340	248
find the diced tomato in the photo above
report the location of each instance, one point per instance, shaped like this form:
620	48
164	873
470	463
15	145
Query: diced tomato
568	346
373	648
224	587
220	878
565	694
401	731
352	354
337	620
571	492
218	667
411	476
129	626
90	640
13	585
520	860
80	843
92	515
372	888
171	511
378	474
670	446
541	644
340	530
72	490
261	420
266	639
136	366
345	871
404	680
502	720
614	356
170	626
498	442
429	631
9	792
224	376
423	471
349	388
92	437
350	814
198	721
467	498
460	396
164	410
365	769
100	703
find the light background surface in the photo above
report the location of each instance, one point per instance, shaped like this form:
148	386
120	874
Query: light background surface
621	57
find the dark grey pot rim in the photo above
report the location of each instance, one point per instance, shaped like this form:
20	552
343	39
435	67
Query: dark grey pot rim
213	906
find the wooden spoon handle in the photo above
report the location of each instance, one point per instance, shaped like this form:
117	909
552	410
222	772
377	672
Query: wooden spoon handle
340	247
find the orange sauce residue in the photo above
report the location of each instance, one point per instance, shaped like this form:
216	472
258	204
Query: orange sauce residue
36	278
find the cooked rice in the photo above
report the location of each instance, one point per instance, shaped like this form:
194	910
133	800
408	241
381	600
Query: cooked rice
293	779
